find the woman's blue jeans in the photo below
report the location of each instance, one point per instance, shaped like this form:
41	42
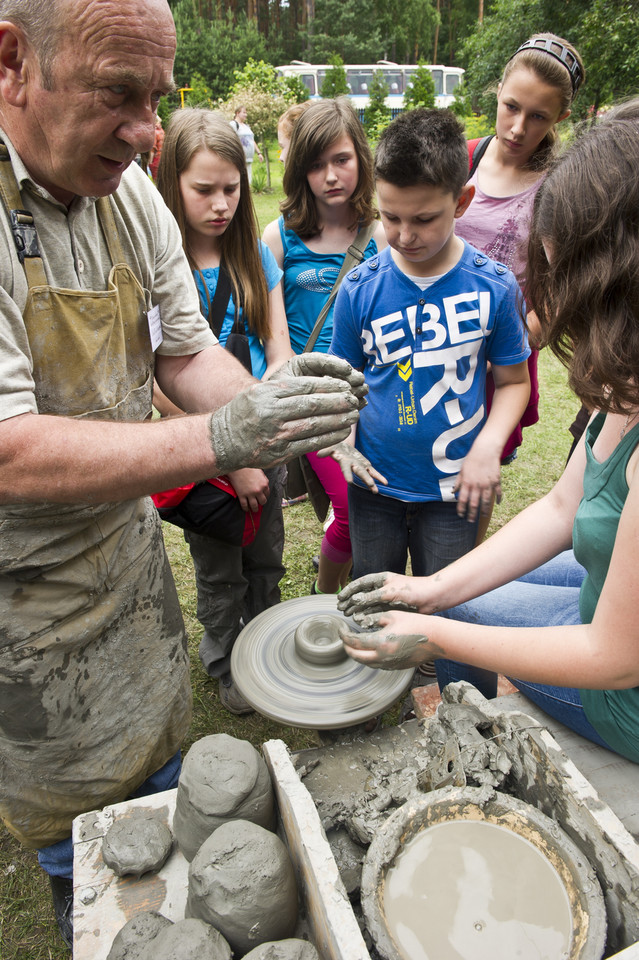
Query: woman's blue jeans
546	597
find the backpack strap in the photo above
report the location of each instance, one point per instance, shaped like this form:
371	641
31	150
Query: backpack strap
476	150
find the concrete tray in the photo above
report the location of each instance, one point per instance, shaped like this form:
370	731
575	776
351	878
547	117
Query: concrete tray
540	773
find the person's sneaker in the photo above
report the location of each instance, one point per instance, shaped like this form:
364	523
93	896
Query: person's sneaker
62	894
231	698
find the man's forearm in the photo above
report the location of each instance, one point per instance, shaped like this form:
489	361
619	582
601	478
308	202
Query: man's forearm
202	382
89	461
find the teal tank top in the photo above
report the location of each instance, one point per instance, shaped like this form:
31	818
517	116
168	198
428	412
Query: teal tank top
613	713
308	281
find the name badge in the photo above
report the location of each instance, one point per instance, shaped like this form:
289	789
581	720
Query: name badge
155	327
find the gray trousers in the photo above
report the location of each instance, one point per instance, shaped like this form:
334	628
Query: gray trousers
234	584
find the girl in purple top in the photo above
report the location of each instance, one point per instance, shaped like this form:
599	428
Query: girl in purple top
537	88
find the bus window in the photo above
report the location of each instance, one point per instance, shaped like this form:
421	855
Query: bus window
452	80
438	77
308	80
359	81
393	80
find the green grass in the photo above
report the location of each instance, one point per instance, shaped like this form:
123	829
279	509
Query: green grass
27	928
267	202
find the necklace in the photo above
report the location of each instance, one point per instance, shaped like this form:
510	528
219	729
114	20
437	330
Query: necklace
625	425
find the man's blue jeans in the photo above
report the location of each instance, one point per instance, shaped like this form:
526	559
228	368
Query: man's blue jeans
384	531
548	596
57	859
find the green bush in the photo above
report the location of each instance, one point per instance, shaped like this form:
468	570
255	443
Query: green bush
477	127
377	114
421	92
335	83
259	179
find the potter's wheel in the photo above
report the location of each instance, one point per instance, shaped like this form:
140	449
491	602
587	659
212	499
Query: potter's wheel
290	666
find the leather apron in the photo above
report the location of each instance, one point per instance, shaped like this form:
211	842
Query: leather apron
94	681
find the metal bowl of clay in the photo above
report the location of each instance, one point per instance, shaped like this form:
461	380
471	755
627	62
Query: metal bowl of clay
471	874
289	663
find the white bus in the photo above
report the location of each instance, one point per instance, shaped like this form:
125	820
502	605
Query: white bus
360	75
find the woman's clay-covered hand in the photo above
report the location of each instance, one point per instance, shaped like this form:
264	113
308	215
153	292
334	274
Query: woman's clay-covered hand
323	365
351	461
277	420
387	641
377	592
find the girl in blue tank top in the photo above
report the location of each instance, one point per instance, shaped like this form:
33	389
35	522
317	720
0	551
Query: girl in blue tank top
328	182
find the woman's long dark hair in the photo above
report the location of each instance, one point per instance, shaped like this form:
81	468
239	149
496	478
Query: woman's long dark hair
587	297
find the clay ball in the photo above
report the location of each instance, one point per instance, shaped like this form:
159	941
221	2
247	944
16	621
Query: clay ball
284	950
132	940
222	779
242	882
135	845
189	940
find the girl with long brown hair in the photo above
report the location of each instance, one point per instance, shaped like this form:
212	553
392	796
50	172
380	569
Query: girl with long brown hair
203	179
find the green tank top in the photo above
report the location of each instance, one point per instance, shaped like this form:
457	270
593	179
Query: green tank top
613	713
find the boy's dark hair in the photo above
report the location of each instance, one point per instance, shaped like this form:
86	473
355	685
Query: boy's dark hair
423	147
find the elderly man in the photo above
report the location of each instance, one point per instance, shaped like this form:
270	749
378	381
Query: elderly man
95	299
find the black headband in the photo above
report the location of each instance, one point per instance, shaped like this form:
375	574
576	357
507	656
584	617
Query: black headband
569	60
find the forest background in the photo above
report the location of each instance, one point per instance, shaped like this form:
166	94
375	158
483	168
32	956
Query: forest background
218	37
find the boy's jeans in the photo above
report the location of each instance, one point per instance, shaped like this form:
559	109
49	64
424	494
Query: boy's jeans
385	530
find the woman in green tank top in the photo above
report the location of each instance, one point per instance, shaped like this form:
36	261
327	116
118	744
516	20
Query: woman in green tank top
551	599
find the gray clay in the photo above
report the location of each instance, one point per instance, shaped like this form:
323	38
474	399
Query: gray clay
284	950
132	940
242	882
136	845
222	779
188	940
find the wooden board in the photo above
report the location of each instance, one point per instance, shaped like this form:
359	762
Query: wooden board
330	917
102	902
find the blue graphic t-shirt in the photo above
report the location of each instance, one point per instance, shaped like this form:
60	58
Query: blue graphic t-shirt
273	276
424	357
308	280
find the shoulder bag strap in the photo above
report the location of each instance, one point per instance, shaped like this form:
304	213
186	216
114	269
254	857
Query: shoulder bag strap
354	255
220	302
478	153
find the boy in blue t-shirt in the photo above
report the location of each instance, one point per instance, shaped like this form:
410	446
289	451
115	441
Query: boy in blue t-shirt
423	320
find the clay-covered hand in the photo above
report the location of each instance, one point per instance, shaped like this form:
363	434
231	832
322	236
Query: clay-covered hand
275	421
323	365
377	592
251	487
351	461
388	641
